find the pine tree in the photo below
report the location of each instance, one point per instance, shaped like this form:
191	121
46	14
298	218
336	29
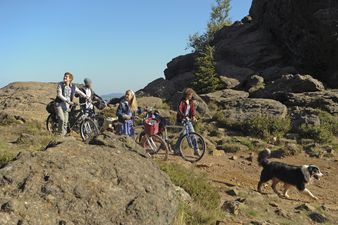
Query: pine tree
206	78
219	18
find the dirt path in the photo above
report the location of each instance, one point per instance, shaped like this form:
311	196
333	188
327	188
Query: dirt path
243	173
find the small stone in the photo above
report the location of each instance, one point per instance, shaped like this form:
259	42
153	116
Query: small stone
274	205
305	207
241	200
233	158
221	223
318	218
281	213
231	207
251	157
7	207
217	153
232	192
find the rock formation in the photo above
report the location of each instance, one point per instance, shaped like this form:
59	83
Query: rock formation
26	100
74	183
279	37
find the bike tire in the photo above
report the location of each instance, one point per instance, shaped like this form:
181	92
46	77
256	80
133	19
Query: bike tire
153	144
201	147
52	124
88	130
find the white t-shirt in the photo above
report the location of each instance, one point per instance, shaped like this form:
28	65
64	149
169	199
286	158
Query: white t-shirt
88	93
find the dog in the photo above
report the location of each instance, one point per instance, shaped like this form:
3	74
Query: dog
290	175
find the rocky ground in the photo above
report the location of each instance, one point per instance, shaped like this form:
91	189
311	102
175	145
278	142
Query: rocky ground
74	183
279	90
236	177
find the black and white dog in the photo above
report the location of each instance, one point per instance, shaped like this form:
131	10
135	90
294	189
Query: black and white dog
290	175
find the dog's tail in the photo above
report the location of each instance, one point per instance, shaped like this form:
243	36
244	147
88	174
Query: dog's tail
263	157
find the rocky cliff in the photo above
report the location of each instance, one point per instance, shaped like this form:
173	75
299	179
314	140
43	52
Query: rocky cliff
278	37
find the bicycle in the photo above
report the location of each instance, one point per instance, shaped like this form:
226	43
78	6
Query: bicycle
85	123
190	146
151	141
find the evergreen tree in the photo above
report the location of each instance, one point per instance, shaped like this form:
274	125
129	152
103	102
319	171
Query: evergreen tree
219	18
206	78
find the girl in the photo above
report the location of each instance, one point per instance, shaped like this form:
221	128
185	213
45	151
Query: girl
187	113
187	107
125	112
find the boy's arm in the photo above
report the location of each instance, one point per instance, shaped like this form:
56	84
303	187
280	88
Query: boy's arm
78	91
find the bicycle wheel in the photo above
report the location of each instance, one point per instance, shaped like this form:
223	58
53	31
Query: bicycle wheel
192	147
88	130
155	146
52	124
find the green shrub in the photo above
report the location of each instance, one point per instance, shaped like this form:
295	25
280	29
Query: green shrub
5	153
206	199
318	133
265	127
221	120
323	133
228	147
260	126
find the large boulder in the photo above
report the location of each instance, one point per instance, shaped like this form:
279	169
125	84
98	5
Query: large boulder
233	71
278	37
306	29
228	83
303	115
158	88
153	102
222	95
179	65
324	100
245	108
244	50
289	84
183	80
26	100
75	183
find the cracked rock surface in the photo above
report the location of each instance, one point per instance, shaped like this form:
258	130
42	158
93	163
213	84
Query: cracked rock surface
74	183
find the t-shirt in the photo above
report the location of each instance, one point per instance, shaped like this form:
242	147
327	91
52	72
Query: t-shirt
187	110
88	92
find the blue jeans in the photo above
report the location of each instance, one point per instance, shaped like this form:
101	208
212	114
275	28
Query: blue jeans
191	140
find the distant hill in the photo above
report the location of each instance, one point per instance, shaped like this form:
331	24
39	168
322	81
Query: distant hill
110	96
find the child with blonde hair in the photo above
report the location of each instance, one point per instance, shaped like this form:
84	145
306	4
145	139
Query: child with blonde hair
125	112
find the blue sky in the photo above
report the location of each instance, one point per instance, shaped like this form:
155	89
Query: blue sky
118	44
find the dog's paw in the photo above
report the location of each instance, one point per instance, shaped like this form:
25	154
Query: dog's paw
315	198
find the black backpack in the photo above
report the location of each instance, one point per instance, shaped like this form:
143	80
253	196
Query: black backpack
100	104
50	108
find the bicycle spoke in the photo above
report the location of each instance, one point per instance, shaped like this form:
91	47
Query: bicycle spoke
192	147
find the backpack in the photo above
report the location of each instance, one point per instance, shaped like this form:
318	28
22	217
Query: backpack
50	108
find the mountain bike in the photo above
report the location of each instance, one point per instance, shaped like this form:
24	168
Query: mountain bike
190	145
85	123
151	141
